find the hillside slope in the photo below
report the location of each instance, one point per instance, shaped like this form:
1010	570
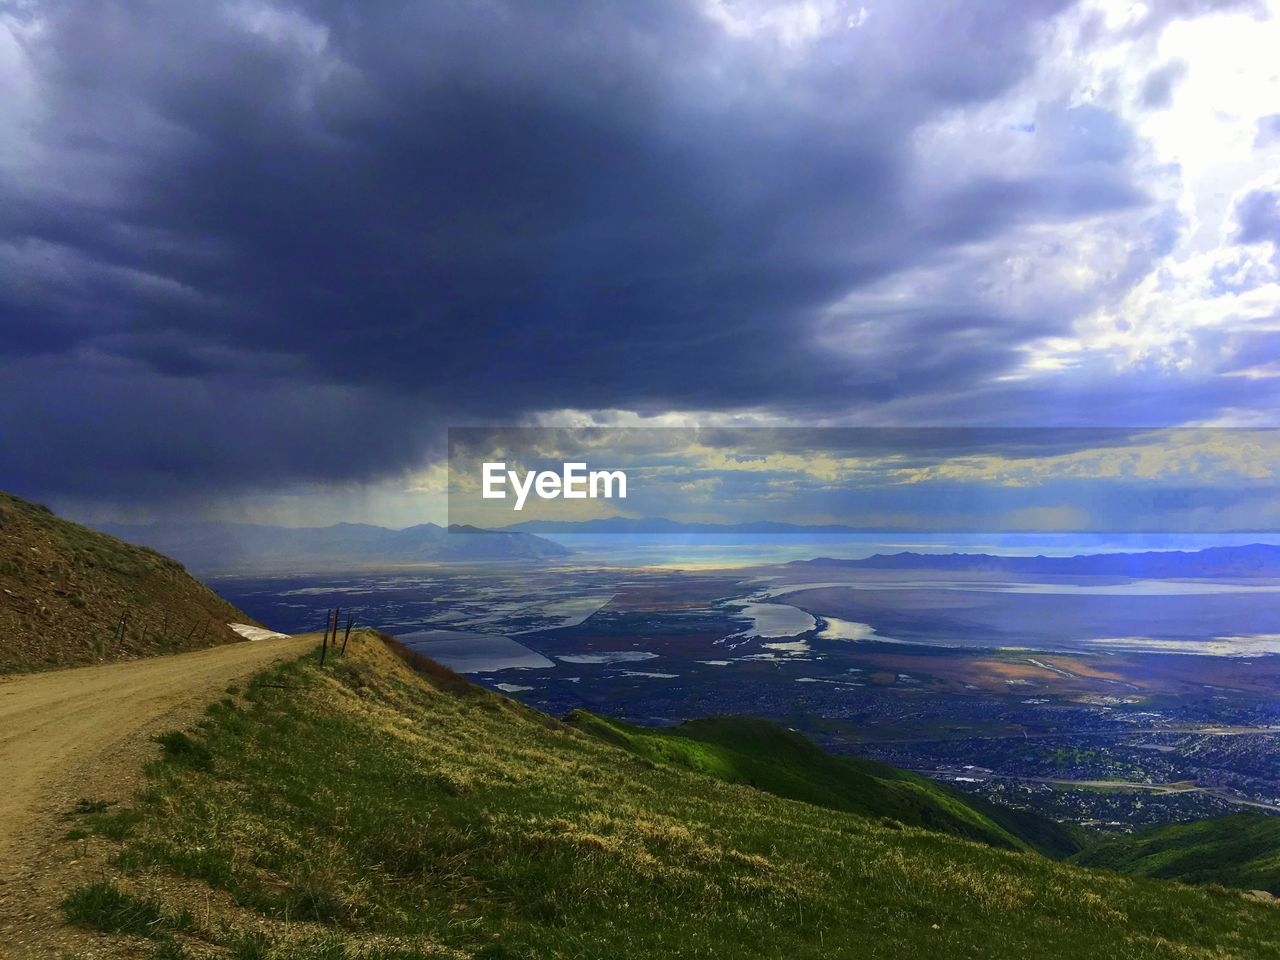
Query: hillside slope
372	810
769	757
70	595
1240	850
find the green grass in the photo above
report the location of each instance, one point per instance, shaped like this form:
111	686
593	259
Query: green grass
105	907
1053	839
365	810
181	749
770	757
1241	850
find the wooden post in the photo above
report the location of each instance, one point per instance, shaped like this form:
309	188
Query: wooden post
324	646
346	636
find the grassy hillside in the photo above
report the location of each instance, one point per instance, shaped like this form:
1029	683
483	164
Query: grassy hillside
1053	839
1241	850
70	595
770	757
370	810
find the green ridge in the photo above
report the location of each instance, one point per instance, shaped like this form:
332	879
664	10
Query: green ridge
769	757
1241	850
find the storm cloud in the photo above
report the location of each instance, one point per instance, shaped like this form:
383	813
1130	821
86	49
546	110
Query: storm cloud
248	244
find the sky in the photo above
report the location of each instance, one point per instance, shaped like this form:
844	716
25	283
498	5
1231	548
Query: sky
1034	481
257	258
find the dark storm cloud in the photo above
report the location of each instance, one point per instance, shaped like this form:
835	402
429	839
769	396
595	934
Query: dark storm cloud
108	429
242	236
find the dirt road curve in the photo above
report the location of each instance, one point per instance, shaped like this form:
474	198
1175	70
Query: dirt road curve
85	733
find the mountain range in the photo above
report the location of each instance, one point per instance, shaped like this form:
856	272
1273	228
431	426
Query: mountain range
210	547
1250	560
661	525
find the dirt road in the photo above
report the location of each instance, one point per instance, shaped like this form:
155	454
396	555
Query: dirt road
86	733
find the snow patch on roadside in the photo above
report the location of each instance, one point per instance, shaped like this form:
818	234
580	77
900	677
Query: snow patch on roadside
250	632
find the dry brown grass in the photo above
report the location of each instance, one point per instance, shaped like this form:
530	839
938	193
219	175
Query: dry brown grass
71	596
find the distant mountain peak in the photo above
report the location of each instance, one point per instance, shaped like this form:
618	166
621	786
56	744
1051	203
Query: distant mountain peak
1249	560
231	547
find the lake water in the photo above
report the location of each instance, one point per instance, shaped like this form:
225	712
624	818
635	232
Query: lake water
1219	618
772	620
473	652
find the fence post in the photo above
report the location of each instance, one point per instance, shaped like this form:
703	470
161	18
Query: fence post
324	650
346	636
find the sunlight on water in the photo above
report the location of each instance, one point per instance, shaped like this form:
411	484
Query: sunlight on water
773	620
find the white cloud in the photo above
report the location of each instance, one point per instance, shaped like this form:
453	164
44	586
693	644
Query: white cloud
1161	285
794	25
1181	313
